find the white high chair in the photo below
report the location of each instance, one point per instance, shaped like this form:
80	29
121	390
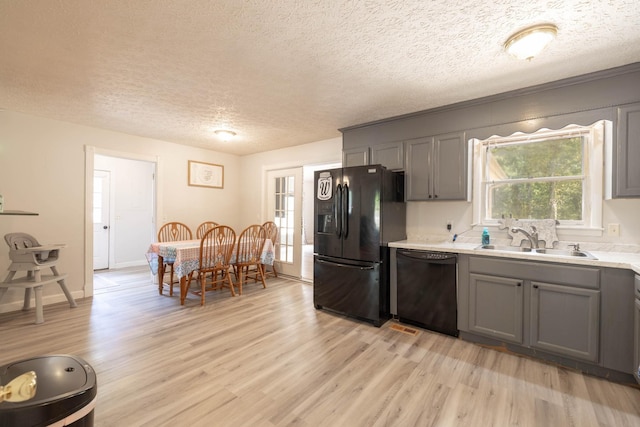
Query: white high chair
28	255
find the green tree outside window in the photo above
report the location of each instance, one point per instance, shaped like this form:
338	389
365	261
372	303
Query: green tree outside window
536	179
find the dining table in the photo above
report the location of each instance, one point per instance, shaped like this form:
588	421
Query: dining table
185	255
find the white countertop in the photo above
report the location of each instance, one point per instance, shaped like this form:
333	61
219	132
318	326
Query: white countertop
604	259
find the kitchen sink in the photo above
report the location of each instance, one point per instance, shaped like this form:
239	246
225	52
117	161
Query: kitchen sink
541	251
505	248
565	252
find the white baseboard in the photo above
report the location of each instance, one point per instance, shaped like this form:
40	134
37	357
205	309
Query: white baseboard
129	264
18	299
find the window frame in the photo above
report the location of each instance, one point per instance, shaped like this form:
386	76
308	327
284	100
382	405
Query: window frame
595	137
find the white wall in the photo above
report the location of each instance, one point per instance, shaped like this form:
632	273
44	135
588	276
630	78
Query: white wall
42	169
426	220
307	206
623	212
255	166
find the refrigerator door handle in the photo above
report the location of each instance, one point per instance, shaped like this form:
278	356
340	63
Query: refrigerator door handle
345	210
338	210
339	264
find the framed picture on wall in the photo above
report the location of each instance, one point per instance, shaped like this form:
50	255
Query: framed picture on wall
206	174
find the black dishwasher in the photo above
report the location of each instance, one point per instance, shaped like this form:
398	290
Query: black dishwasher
426	283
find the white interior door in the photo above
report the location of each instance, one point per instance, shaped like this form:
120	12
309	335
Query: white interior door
101	195
284	207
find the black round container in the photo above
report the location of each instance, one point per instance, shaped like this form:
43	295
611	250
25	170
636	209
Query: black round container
66	391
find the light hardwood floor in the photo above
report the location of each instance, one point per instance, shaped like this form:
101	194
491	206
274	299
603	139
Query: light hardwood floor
306	268
268	358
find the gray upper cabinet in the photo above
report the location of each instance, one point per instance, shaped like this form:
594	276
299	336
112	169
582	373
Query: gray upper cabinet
418	174
355	156
627	156
389	155
436	167
450	167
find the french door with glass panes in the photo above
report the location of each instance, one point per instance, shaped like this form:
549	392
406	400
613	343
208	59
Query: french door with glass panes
284	207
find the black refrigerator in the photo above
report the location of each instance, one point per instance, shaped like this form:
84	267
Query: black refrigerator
358	211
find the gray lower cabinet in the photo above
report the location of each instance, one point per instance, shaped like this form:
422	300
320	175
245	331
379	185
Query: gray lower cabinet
436	167
562	319
636	354
550	307
495	307
636	331
565	320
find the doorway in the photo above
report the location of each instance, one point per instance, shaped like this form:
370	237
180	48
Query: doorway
129	224
126	205
284	207
290	201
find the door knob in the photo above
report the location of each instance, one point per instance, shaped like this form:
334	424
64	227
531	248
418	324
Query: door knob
104	227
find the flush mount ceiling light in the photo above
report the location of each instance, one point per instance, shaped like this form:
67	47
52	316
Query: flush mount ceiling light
527	43
225	134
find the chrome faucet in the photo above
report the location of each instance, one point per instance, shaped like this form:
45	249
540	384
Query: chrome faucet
533	236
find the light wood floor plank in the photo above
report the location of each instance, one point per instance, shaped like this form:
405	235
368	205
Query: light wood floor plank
268	358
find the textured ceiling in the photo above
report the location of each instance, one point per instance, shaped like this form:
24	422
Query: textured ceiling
287	72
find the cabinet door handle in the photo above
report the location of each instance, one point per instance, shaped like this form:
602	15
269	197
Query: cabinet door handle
535	286
519	284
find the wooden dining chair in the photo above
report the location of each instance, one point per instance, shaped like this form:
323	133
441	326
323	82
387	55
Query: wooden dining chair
202	228
248	251
214	264
173	232
272	232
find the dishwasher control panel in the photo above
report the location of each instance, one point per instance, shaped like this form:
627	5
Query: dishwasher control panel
428	255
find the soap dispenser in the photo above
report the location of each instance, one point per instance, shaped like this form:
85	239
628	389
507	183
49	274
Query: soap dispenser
486	239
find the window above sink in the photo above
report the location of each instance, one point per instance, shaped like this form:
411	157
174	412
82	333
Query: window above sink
555	174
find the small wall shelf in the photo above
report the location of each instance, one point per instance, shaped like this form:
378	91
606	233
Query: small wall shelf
12	212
